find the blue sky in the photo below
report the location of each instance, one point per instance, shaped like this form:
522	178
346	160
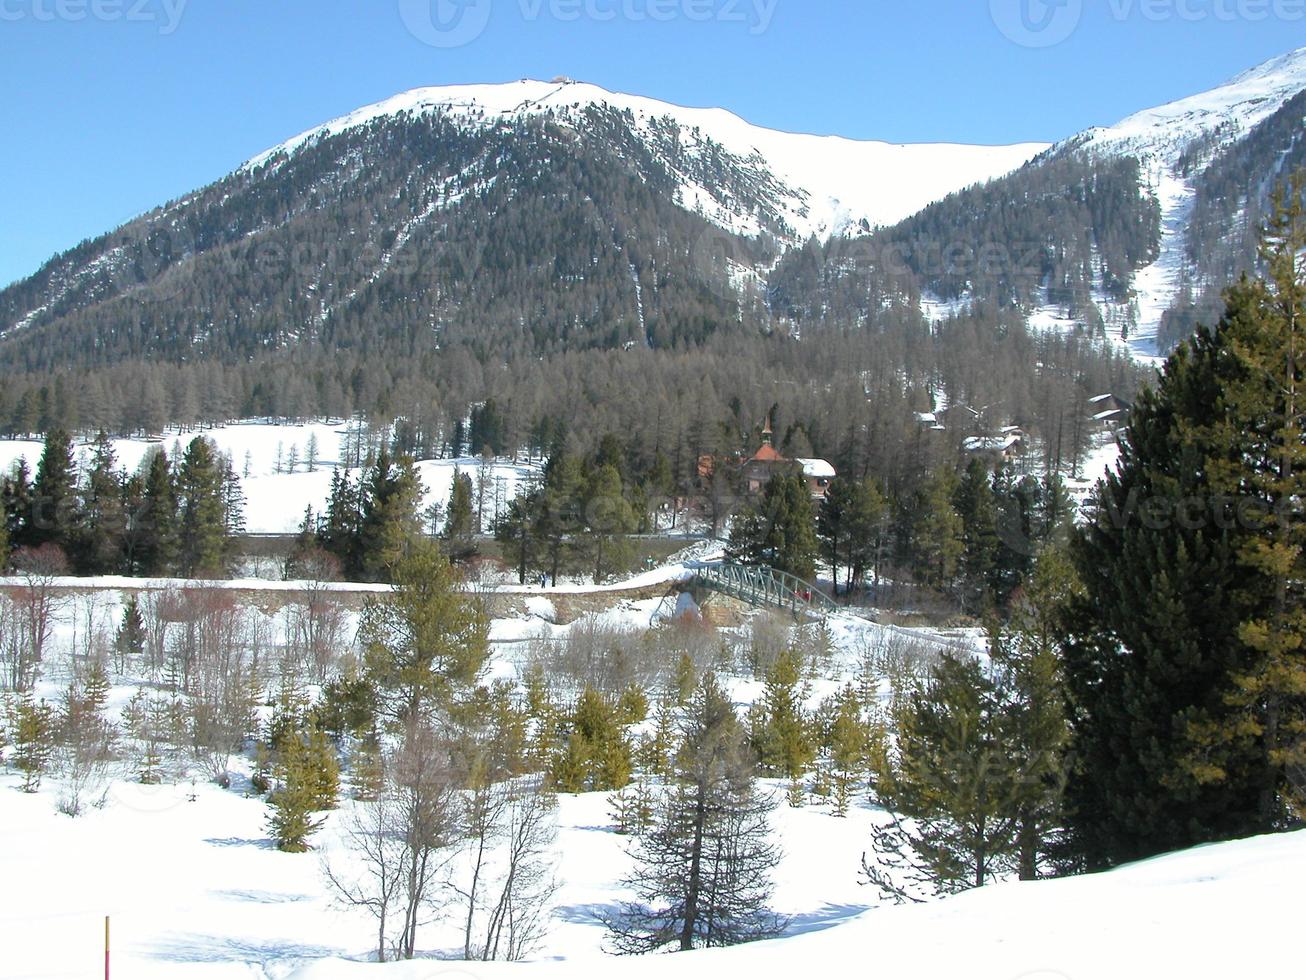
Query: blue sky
110	107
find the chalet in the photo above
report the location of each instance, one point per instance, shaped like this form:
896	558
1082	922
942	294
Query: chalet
1109	411
1006	444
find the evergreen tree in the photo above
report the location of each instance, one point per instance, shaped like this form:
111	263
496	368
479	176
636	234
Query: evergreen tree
424	639
52	514
295	800
703	868
389	519
129	643
1264	332
1027	664
101	519
1152	644
957	782
781	735
781	530
978	511
203	532
609	518
31	732
154	527
459	525
936	531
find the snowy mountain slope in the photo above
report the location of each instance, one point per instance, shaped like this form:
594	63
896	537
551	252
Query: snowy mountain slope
828	183
1171	142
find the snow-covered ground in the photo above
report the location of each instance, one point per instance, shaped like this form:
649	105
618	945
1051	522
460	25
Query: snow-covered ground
275	502
195	889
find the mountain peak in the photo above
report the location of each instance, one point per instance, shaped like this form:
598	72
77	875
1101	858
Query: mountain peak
825	175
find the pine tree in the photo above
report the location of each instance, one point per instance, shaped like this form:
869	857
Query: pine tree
295	798
52	514
1158	641
1264	399
31	732
1026	659
423	640
782	738
850	739
460	521
956	780
703	868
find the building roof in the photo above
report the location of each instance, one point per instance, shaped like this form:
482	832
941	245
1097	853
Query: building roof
817	469
991	444
767	454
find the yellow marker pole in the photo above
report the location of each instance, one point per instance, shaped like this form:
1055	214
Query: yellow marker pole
106	948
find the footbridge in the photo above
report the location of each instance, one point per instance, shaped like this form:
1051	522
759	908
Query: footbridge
761	585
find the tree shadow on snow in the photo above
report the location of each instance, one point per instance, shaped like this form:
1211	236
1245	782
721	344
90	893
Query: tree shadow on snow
823	918
224	949
266	843
260	897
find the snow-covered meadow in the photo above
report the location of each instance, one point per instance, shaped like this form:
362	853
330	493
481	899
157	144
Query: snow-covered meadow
195	888
275	498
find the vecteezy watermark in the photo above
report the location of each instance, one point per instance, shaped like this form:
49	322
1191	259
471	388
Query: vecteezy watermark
167	14
1037	23
1044	23
455	23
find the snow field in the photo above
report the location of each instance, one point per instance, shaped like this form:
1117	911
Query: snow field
275	503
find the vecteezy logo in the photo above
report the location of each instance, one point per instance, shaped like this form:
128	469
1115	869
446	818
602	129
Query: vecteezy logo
446	23
1037	23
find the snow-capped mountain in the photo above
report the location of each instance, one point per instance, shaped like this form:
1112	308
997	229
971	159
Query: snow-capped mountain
550	216
822	185
1174	143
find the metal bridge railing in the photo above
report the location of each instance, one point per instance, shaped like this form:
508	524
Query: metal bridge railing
760	585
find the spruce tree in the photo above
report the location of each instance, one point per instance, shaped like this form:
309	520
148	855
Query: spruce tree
52	513
203	532
1153	643
460	520
154	526
101	519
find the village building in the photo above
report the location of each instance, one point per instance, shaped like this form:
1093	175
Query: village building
1109	411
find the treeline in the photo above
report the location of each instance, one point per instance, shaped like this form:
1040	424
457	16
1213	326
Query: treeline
177	514
970	537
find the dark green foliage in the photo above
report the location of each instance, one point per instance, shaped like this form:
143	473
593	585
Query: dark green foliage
459	525
1153	644
780	531
205	521
51	516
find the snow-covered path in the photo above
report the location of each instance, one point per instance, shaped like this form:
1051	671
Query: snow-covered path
1158	284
